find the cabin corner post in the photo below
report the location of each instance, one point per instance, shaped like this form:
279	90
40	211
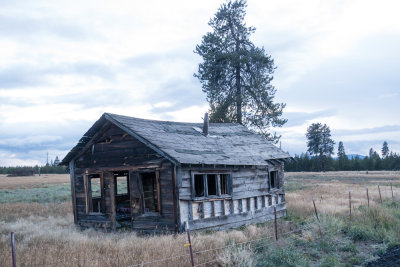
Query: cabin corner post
175	197
73	196
109	183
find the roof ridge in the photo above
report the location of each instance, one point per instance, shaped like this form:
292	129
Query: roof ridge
172	122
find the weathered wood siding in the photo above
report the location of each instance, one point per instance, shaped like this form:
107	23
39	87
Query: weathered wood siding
111	150
103	220
164	222
112	147
251	200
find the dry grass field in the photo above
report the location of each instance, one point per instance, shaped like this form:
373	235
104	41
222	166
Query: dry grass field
24	182
46	235
331	190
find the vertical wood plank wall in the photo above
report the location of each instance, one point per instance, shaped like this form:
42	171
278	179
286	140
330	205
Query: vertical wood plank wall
112	149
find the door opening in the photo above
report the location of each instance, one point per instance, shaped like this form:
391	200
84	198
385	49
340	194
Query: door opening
150	196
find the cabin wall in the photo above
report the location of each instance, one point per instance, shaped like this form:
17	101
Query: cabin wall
114	150
165	222
112	147
251	200
105	219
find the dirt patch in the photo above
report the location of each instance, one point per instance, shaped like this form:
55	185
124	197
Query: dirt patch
390	258
24	182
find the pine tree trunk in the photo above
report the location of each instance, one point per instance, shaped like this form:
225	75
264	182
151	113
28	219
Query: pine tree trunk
238	89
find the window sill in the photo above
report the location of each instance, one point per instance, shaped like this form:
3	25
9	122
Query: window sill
95	213
210	198
150	214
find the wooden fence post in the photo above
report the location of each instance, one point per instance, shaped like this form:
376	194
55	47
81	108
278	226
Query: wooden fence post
315	208
190	244
13	255
380	196
350	203
276	225
391	189
367	196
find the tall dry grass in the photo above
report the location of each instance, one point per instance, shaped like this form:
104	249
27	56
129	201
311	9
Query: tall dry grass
23	182
54	241
46	236
331	190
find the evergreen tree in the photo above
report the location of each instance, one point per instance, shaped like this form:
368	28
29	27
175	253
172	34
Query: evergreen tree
237	75
342	157
371	152
320	143
385	150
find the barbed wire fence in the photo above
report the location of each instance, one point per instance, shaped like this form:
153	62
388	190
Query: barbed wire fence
208	257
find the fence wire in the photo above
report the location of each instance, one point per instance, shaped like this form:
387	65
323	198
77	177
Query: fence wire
267	237
187	255
210	260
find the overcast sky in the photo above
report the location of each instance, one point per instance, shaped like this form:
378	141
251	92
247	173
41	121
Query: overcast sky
65	63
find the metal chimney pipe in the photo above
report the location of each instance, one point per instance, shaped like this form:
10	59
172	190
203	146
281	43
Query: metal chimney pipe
205	124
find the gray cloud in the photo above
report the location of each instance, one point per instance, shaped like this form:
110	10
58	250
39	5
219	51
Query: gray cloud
180	93
167	57
34	140
28	27
31	75
353	82
20	76
362	147
382	129
299	118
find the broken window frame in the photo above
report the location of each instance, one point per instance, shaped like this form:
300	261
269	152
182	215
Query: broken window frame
205	177
121	175
273	179
88	194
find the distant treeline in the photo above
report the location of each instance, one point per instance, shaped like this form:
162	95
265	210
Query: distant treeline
373	162
29	171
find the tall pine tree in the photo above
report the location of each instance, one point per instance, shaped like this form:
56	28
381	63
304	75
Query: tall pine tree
319	143
385	150
342	157
237	75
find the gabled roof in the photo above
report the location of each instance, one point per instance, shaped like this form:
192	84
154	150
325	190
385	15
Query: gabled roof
184	143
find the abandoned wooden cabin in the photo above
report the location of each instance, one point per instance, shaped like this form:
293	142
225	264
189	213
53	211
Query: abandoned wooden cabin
154	176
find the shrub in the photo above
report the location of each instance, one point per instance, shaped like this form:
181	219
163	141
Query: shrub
286	256
358	233
240	256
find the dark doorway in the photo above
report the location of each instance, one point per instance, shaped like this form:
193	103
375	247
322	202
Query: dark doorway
150	195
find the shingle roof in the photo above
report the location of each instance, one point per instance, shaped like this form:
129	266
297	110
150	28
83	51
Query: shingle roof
227	143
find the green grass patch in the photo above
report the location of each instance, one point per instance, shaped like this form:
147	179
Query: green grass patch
286	256
52	193
359	233
335	241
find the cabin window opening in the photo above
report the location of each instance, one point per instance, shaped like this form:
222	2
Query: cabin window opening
149	183
94	194
274	182
223	184
212	184
122	196
199	185
121	183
